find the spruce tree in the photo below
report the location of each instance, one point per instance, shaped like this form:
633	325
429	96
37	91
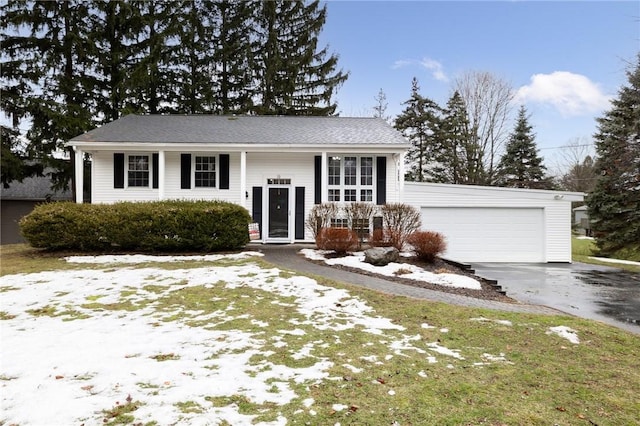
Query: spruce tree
456	157
614	204
419	122
233	57
295	76
520	166
47	71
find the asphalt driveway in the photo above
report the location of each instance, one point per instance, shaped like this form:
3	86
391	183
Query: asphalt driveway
602	293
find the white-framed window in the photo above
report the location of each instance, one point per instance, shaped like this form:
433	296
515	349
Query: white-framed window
138	168
350	178
205	171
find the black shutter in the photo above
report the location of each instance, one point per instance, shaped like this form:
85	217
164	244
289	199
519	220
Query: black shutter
256	206
224	171
118	170
299	215
381	180
185	171
154	166
317	183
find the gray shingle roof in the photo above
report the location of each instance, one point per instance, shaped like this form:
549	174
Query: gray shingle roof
34	188
245	130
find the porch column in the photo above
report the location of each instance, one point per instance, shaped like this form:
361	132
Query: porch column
78	159
243	179
324	179
401	177
161	174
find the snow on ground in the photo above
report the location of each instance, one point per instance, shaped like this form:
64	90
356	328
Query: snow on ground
606	259
141	258
404	270
78	342
565	332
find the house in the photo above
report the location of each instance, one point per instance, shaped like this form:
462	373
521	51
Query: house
19	200
278	167
581	220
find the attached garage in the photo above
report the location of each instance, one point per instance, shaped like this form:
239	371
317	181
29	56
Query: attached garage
491	224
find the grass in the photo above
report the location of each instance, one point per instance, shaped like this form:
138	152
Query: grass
582	250
543	379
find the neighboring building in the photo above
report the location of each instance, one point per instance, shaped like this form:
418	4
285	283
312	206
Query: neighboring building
279	167
19	200
581	220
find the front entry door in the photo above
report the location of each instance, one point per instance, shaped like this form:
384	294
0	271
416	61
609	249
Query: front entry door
279	213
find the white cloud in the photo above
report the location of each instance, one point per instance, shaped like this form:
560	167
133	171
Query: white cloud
571	94
401	63
431	65
436	69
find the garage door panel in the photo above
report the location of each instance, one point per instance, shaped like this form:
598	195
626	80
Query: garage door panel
489	234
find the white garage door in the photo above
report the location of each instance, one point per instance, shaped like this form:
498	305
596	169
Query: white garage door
489	234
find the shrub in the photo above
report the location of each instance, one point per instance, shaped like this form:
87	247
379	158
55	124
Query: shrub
340	240
160	226
320	217
358	215
427	245
380	238
401	220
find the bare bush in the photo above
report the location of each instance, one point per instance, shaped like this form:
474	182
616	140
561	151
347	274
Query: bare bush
400	221
320	217
359	217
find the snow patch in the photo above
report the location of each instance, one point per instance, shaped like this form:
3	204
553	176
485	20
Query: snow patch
565	332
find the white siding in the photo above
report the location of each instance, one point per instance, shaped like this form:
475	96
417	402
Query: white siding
555	205
102	190
297	166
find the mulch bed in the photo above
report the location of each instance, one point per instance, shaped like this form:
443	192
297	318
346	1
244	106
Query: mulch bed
489	291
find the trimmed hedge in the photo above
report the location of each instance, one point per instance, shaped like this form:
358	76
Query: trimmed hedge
158	226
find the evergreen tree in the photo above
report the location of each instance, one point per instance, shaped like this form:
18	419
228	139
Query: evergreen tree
418	122
520	166
295	77
149	87
614	204
233	56
456	157
112	30
46	71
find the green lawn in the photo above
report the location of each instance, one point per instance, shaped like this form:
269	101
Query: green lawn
510	370
583	249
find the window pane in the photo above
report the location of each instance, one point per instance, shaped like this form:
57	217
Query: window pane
334	171
350	195
366	195
138	170
205	175
366	171
350	170
334	195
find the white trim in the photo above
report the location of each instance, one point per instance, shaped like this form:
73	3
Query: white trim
324	178
161	173
243	179
290	217
79	169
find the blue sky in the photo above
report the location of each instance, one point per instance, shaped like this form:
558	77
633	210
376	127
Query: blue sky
564	59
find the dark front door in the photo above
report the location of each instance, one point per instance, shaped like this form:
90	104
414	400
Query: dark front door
279	213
